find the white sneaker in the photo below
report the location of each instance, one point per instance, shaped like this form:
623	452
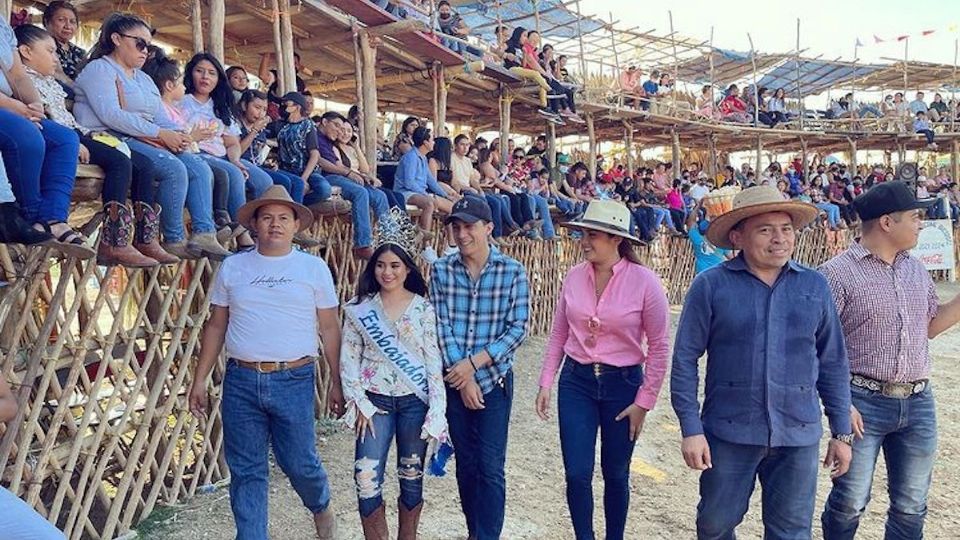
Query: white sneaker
429	255
450	250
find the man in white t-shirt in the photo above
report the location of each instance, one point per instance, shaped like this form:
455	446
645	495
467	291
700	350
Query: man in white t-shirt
266	305
699	189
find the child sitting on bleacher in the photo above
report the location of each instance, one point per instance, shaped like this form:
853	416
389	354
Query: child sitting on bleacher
922	126
38	52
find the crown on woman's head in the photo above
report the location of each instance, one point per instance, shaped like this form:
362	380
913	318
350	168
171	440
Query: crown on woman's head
396	228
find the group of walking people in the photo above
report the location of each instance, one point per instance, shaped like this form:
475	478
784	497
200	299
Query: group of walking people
422	368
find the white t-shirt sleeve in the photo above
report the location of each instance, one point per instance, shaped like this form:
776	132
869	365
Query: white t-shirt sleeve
219	295
324	292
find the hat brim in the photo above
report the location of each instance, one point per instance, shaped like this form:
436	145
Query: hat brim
594	226
246	212
801	213
469	219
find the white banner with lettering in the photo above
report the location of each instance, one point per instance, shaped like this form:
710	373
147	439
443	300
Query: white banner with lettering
935	246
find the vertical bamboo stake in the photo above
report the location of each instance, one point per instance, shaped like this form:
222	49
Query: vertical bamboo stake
583	59
616	57
278	48
552	146
799	89
592	138
906	55
676	68
803	158
196	26
756	170
286	34
628	145
369	103
217	22
954	163
675	153
440	121
712	162
756	91
358	74
712	73
505	103
853	156
953	91
536	14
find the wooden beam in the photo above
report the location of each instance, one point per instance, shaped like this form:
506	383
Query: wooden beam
404	26
278	50
505	102
368	51
440	121
196	26
217	24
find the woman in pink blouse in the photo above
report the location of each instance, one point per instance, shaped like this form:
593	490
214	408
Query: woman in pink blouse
611	331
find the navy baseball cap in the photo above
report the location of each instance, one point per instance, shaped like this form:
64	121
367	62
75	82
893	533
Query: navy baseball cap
470	209
888	198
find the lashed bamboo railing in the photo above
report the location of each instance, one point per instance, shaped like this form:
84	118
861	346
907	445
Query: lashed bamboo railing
101	361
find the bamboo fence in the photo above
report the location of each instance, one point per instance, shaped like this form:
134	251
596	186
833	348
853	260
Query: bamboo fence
101	359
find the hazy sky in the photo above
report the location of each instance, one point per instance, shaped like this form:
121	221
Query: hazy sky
827	27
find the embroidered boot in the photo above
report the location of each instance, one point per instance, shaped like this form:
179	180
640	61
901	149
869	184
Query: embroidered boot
147	233
409	521
116	238
375	525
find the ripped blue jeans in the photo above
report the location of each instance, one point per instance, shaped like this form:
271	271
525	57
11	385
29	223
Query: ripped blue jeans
401	417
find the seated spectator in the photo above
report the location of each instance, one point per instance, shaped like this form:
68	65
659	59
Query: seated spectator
818	198
569	206
404	140
297	148
734	109
40	157
451	24
922	126
37	50
113	93
651	90
706	103
348	145
521	60
661	214
756	104
938	110
862	111
630	86
499	204
440	163
918	105
353	186
538	192
61	20
677	207
253	123
417	184
239	81
568	107
777	107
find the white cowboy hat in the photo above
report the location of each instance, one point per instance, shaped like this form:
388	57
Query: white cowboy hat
753	202
611	217
275	195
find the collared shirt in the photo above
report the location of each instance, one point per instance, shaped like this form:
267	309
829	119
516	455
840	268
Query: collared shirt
326	146
413	175
489	313
770	352
632	312
54	100
885	311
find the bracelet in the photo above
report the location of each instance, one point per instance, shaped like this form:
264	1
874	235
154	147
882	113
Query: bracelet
475	369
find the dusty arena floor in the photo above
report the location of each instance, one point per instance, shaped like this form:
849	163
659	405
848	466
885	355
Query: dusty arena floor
664	492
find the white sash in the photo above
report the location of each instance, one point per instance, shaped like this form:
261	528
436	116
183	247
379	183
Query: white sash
378	330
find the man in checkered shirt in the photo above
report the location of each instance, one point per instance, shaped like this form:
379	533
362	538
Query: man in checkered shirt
482	303
888	310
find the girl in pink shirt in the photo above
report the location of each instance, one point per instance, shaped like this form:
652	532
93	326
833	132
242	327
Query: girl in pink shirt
610	331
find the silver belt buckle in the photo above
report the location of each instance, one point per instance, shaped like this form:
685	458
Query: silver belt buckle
897	390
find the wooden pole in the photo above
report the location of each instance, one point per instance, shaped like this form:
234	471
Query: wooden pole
217	21
756	91
796	56
712	75
196	25
954	161
440	122
286	34
712	161
616	57
552	146
278	48
906	55
853	156
358	76
6	8
505	102
536	14
675	153
592	144
804	158
676	68
368	51
583	58
953	91
628	145
756	170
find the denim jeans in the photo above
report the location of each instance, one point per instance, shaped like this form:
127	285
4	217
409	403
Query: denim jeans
496	213
262	410
788	476
257	180
41	165
480	437
906	430
539	205
833	213
661	215
361	198
394	198
589	398
320	189
402	417
19	520
291	182
643	217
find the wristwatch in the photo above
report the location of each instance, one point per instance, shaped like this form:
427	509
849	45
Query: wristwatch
844	438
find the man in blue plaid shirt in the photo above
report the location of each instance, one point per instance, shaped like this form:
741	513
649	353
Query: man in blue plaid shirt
482	302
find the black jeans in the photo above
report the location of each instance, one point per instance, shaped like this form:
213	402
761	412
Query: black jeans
117	169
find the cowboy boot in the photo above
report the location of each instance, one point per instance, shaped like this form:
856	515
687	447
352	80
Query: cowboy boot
326	524
147	231
206	244
116	237
409	521
375	525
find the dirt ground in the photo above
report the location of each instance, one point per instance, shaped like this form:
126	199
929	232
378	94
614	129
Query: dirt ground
664	491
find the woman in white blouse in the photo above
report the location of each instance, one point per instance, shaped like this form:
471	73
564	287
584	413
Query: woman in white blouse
392	376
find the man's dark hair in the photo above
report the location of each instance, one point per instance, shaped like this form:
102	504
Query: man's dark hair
442	3
460	137
541	138
543	171
333	115
421	135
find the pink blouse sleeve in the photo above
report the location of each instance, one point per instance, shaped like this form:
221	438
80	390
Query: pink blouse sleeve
558	338
656	327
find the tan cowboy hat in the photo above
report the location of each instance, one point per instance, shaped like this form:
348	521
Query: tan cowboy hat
275	195
611	217
753	202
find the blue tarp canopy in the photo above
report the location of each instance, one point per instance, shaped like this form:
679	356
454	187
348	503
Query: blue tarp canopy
728	66
555	19
815	76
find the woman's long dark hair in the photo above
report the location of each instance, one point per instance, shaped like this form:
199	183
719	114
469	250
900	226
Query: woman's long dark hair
442	152
115	23
28	34
222	94
627	251
407	122
514	40
367	285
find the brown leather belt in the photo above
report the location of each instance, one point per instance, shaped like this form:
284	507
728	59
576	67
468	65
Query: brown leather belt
271	367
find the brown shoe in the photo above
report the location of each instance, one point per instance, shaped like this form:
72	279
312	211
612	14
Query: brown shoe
409	521
181	250
207	245
363	253
116	238
147	234
326	524
375	525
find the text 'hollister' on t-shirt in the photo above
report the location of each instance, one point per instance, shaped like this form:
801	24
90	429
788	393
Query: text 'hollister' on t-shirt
273	303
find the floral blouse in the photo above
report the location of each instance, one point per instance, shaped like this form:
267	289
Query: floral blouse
71	59
55	101
362	368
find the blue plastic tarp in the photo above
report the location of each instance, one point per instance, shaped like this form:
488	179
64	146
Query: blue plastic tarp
815	76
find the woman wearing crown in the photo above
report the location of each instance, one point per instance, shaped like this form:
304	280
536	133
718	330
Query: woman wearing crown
392	376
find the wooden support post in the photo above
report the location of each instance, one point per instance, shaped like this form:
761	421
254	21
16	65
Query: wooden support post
628	146
286	35
196	25
358	76
440	106
675	153
901	153
278	48
505	101
955	160
217	21
368	52
853	156
592	137
711	163
804	158
6	7
756	169
552	146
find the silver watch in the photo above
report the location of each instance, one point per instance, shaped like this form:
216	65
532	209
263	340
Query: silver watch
844	438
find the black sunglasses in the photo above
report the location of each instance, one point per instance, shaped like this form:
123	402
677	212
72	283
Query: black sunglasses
140	43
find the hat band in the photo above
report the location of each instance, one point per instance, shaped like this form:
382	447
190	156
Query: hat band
605	224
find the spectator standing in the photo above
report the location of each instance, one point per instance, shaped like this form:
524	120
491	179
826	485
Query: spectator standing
651	88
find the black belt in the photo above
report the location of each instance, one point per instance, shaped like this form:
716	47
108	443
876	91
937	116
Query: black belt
890	389
597	368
